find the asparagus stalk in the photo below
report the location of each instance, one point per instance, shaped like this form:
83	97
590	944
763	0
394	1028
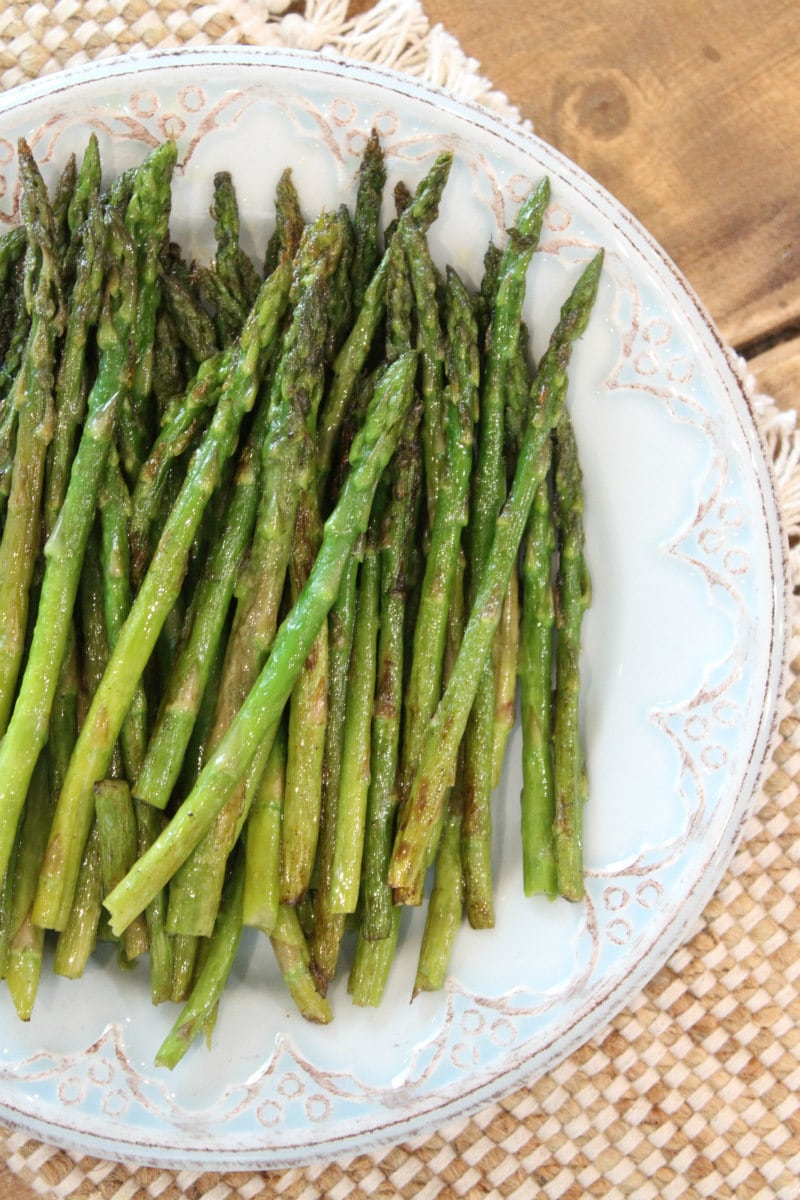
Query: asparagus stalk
205	994
288	229
286	474
446	902
366	217
488	496
425	283
187	684
396	547
27	730
184	423
114	501
156	597
421	818
60	206
370	453
19	548
399	308
353	355
506	647
372	960
148	237
231	263
354	778
572	600
83	311
116	825
263	845
427	660
308	718
27	940
191	322
149	824
341	301
291	952
150	933
86	190
536	673
77	940
328	925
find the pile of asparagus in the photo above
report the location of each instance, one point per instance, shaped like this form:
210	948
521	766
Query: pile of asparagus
278	543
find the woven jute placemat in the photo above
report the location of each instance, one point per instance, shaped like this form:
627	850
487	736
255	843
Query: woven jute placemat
692	1091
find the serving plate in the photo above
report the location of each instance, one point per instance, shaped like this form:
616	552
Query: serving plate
684	647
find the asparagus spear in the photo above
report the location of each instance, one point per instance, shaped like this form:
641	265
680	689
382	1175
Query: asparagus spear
488	496
27	940
427	659
329	926
114	501
371	451
150	933
27	730
117	829
572	600
341	301
536	672
85	192
288	229
87	252
189	418
308	708
83	312
372	960
421	818
351	358
19	548
506	648
366	217
206	992
263	845
399	307
60	205
148	236
154	600
397	539
308	718
186	688
351	808
17	339
192	323
286	475
77	940
291	952
425	282
446	902
231	263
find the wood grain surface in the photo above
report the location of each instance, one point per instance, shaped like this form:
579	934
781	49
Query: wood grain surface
690	114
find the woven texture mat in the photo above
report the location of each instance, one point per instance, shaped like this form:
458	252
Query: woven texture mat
692	1091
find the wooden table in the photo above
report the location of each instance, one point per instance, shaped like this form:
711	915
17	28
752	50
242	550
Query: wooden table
690	115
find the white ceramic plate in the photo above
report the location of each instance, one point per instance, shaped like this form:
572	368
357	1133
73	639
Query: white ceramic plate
684	645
